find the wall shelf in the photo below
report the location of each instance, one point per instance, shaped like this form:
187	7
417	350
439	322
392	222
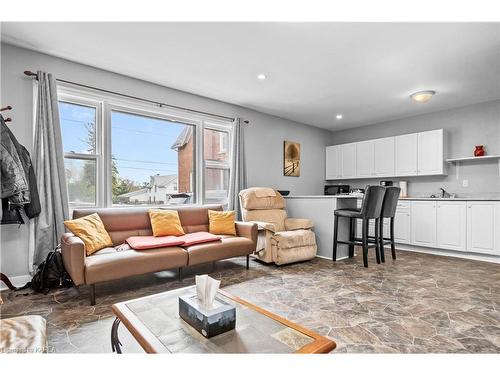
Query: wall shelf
473	158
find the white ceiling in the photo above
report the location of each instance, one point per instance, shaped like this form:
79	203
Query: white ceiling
315	70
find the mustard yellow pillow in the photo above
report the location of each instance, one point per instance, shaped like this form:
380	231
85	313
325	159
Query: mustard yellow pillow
165	223
91	231
221	222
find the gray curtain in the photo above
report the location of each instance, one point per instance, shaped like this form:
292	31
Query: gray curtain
238	175
49	169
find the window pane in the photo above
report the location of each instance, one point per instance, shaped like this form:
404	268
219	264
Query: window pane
81	181
152	161
216	185
78	128
215	145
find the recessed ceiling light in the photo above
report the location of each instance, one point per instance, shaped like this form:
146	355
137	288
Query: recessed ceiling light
339	117
261	77
422	96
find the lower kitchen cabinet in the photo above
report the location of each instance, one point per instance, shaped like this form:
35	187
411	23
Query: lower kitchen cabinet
402	224
423	223
483	227
451	225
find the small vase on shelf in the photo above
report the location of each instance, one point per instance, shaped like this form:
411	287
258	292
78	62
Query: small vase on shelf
479	151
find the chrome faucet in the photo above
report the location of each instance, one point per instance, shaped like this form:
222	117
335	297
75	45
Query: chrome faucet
444	193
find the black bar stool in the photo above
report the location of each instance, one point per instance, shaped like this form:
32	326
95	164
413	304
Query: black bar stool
370	210
389	212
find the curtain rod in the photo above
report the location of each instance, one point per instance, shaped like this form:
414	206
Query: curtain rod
35	76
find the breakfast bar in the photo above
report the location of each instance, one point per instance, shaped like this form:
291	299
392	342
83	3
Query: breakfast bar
320	209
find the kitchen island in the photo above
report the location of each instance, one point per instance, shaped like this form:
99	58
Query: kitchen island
320	209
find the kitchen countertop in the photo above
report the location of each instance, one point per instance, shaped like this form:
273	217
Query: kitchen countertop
345	196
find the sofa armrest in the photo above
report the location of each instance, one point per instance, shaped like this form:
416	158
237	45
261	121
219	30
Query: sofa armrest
247	229
73	254
295	224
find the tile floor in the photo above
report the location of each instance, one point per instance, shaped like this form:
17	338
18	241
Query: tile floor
417	304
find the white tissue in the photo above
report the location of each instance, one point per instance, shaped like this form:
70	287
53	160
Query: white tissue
206	289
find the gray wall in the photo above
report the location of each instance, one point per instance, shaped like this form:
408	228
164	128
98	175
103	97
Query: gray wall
263	137
464	128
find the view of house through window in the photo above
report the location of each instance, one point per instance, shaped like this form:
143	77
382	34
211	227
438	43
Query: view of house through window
152	161
217	165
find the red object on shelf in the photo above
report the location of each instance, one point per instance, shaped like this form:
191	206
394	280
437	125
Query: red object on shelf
479	151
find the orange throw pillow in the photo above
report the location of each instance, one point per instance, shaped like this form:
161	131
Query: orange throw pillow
221	222
91	231
165	223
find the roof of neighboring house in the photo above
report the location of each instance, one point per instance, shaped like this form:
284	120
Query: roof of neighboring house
134	193
183	138
163	181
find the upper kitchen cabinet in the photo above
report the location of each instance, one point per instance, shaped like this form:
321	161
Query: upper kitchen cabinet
384	160
365	163
348	160
333	163
417	154
430	152
406	154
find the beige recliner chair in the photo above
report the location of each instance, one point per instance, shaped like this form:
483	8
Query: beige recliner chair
281	240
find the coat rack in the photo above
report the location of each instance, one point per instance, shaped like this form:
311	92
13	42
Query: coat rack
8	108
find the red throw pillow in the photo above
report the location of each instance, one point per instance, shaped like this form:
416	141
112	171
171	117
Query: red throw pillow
198	237
151	242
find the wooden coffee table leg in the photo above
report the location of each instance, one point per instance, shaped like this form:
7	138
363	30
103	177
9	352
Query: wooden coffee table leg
115	341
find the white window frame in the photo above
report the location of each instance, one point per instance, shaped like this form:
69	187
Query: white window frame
109	102
220	126
98	155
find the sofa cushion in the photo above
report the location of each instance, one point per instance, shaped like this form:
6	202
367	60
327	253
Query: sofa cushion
90	229
291	239
151	242
227	247
115	263
198	237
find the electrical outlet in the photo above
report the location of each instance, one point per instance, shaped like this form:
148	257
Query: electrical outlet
465	183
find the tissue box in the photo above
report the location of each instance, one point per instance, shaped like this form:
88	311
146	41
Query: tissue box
209	322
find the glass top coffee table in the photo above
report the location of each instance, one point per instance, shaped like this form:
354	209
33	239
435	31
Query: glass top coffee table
155	323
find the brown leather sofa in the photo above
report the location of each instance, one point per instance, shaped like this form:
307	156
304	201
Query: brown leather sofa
122	261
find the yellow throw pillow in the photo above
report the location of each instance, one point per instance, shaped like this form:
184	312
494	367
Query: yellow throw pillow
221	222
165	223
91	231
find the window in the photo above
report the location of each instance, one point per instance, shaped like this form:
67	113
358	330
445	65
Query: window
217	164
150	152
124	153
79	135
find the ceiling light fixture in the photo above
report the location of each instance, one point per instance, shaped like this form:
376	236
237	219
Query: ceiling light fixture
339	117
261	77
422	96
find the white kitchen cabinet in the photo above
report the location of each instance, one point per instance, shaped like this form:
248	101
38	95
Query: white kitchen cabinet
348	160
383	151
423	223
406	154
430	153
365	159
402	223
483	227
333	163
451	225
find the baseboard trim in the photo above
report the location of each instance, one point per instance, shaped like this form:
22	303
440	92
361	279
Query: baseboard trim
329	258
16	281
449	253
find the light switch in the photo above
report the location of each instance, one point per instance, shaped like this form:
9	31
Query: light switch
465	183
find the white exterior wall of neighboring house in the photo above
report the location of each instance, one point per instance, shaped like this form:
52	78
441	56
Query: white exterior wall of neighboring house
159	191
